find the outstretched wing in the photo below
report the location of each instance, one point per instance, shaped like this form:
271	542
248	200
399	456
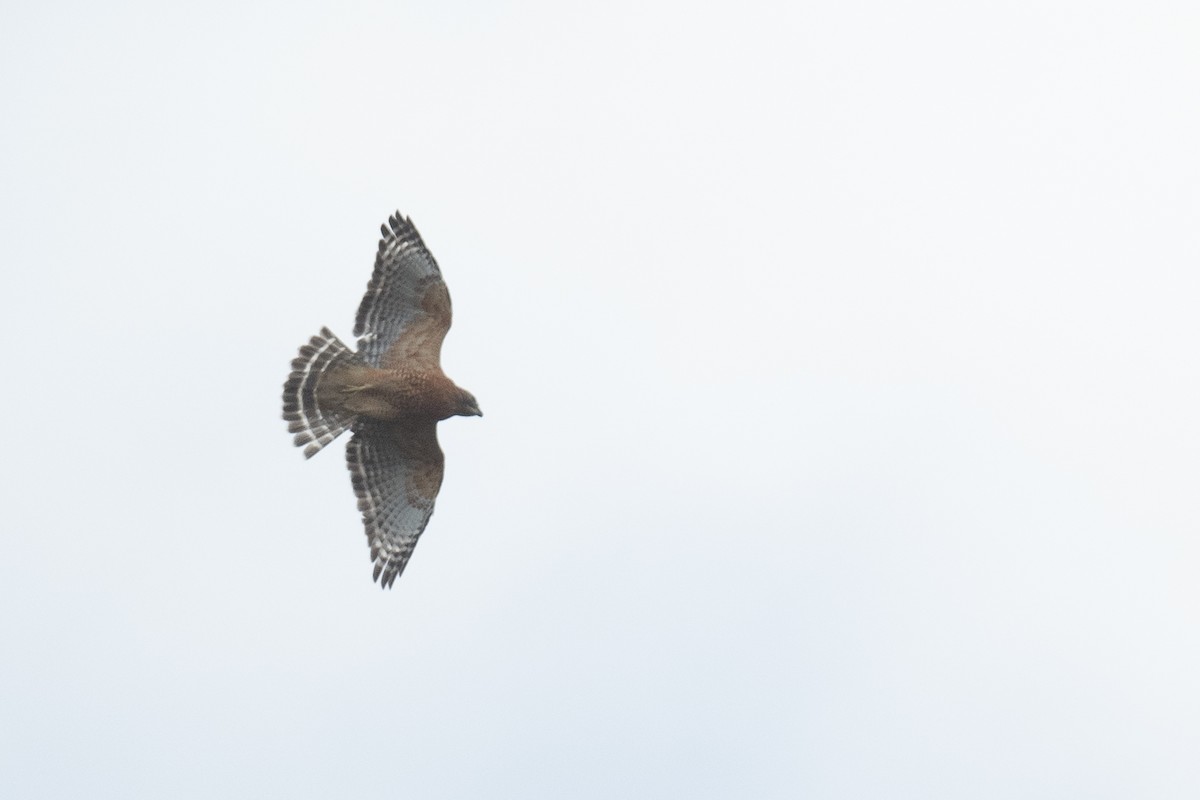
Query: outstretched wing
405	313
396	469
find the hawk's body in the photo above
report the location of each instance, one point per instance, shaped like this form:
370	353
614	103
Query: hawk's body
391	393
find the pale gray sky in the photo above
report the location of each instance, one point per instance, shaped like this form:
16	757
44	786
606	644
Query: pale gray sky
839	364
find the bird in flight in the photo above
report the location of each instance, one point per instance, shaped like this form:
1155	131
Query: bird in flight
391	393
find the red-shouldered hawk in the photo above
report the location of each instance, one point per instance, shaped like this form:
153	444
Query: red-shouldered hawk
391	394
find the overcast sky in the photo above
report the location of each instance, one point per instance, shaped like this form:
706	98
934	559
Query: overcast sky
839	370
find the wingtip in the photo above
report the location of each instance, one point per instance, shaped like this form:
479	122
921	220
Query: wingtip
395	226
385	578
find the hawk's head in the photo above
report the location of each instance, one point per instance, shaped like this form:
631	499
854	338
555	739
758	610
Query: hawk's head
467	405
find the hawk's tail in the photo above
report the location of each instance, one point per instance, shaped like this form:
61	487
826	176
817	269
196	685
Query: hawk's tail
314	426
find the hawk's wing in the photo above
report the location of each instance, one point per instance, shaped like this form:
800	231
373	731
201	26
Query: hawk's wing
396	469
406	311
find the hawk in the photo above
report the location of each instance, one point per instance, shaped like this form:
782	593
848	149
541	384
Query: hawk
391	393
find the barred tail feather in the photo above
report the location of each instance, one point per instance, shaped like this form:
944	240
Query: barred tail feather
314	426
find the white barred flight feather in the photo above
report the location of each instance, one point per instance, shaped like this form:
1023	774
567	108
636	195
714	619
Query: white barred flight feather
404	274
396	471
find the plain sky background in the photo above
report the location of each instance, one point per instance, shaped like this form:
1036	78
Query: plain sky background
839	363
